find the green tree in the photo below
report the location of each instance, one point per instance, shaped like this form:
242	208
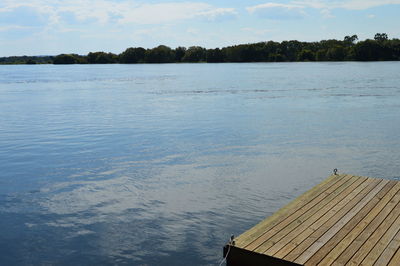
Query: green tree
195	54
179	53
276	57
160	54
395	46
132	55
350	40
232	54
320	55
306	55
65	59
350	54
291	49
215	56
102	58
31	62
379	48
336	53
367	50
381	37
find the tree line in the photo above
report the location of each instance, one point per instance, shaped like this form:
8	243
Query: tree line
380	48
29	60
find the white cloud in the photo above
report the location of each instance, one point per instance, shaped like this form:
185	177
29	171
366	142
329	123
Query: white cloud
277	10
256	8
14	27
105	11
192	31
213	14
326	13
366	4
99	11
162	13
346	4
296	8
255	31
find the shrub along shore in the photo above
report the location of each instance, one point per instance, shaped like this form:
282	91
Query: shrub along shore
381	48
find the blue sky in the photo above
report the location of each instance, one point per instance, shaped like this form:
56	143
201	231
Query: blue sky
48	27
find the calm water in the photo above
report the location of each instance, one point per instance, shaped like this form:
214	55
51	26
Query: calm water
160	164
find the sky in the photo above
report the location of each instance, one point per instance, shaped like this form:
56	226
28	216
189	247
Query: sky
51	27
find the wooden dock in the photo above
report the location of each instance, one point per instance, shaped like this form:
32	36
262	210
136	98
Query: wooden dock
345	220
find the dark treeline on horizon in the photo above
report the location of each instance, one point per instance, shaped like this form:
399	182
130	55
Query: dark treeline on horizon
381	48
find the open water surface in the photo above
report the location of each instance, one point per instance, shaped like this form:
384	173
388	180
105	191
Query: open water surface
160	164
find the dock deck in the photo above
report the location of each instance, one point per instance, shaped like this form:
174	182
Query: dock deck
345	220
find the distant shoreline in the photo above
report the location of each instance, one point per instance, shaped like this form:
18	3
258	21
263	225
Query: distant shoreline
204	63
381	48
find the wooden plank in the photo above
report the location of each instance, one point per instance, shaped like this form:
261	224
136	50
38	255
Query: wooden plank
326	222
382	243
374	238
302	213
306	220
332	249
339	206
248	236
395	260
271	230
345	220
366	231
303	246
339	225
390	250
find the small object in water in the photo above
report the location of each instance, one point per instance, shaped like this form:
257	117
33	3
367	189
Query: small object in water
335	171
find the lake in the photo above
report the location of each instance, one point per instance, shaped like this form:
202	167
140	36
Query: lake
161	164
